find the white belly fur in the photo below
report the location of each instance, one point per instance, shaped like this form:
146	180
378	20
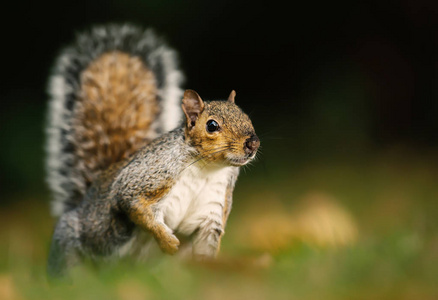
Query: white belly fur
198	194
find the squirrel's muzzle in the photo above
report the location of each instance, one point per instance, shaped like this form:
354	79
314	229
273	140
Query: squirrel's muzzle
251	145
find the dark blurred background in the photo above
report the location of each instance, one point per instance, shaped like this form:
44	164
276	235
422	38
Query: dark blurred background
320	79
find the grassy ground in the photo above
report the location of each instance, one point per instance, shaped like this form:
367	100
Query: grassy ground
336	230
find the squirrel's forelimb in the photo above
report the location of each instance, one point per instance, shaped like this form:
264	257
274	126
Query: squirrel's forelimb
143	212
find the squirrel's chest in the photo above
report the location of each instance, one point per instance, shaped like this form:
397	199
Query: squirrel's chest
198	193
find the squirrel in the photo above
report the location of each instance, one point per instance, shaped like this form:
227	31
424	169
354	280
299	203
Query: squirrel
127	167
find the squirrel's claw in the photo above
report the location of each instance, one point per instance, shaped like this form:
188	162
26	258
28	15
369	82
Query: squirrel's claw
169	244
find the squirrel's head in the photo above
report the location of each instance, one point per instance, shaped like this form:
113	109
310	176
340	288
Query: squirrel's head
219	130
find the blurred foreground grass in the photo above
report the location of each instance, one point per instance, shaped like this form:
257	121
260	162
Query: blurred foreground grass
337	230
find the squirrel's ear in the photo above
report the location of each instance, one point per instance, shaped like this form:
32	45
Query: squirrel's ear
231	96
192	106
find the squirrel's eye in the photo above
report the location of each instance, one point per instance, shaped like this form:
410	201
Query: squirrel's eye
212	126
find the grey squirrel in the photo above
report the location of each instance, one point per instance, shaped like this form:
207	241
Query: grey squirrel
125	169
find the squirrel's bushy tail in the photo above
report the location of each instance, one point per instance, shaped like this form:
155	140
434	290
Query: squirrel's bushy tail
114	89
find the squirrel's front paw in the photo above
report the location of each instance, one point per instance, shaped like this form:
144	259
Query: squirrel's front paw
169	244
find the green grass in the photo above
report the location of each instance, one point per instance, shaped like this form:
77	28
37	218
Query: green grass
390	200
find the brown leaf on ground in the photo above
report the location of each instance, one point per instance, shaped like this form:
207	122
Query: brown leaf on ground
318	220
8	290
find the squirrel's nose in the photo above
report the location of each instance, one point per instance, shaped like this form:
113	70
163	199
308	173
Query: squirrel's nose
252	144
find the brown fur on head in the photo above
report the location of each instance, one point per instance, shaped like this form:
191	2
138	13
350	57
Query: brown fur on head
219	130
